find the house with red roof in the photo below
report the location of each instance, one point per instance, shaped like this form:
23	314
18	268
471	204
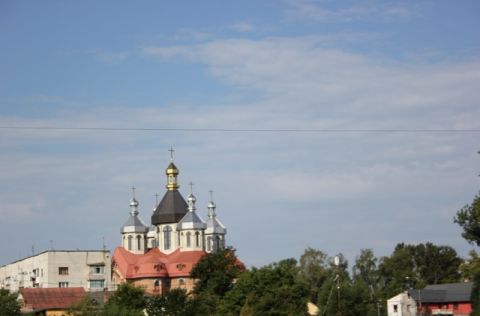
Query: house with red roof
50	301
160	257
450	299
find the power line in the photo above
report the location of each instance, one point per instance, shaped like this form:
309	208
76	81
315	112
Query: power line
244	130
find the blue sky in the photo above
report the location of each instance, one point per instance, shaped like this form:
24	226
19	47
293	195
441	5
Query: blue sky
328	65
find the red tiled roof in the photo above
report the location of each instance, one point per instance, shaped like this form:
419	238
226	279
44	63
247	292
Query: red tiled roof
155	263
52	298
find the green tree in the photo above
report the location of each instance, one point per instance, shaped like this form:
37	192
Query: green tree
437	264
366	282
314	271
115	309
9	305
214	274
172	303
339	294
415	266
276	289
86	307
470	267
468	218
127	300
396	271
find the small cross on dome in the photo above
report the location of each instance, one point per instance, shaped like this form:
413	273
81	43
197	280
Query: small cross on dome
191	187
171	150
133	190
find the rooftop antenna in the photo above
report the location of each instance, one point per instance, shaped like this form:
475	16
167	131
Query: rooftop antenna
33	250
104	247
51	244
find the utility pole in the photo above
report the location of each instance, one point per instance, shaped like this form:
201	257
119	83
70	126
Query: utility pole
337	264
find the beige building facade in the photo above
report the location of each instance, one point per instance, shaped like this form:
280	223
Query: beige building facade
90	269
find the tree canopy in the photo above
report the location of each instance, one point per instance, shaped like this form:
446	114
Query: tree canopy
275	289
468	218
9	305
224	287
215	272
172	303
415	266
127	300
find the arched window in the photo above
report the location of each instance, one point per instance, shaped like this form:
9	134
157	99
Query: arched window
157	283
139	242
167	237
209	243
189	239
130	242
181	282
217	242
197	239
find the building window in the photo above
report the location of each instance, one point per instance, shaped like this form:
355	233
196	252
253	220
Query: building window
63	270
189	239
63	284
181	282
97	269
395	308
129	242
197	239
156	285
97	284
217	243
139	242
209	243
167	237
455	306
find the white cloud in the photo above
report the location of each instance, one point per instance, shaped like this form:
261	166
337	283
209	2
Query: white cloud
302	84
191	35
299	73
109	57
243	27
323	11
21	208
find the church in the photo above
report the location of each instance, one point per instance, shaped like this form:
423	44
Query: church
160	257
